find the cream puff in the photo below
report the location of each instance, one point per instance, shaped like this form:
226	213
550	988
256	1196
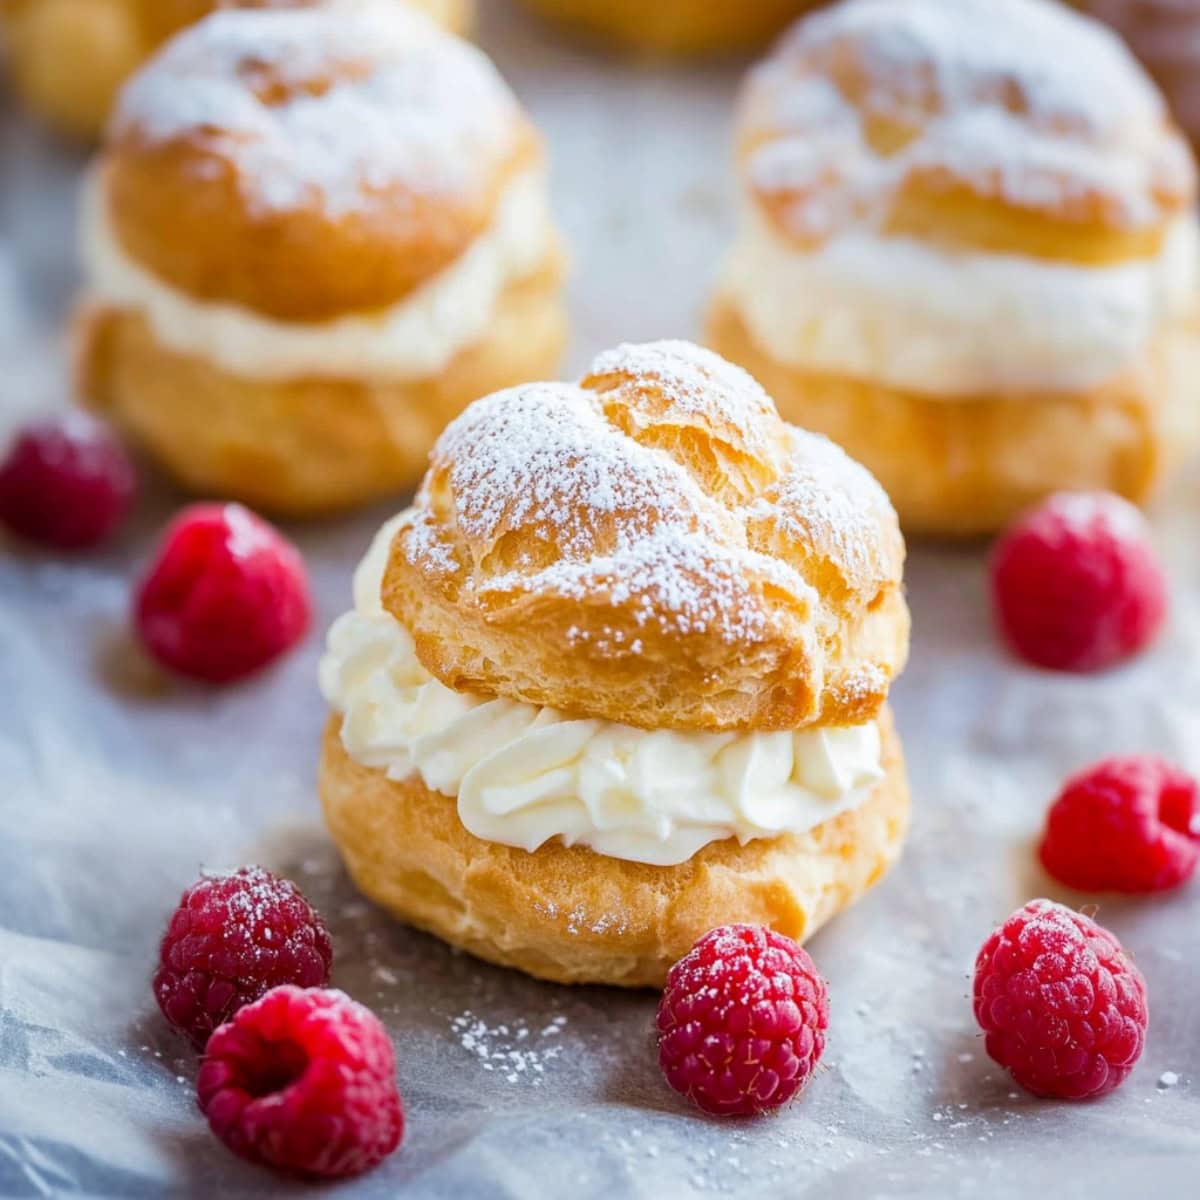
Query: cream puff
1165	35
68	58
968	254
313	237
619	675
682	27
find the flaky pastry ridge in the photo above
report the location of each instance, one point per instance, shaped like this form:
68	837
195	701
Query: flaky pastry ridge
652	546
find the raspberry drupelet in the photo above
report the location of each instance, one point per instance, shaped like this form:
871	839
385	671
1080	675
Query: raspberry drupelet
232	938
303	1080
1126	824
741	1023
1063	1007
226	595
66	482
1076	584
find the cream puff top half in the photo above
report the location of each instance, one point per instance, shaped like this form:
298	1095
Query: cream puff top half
652	546
301	167
987	173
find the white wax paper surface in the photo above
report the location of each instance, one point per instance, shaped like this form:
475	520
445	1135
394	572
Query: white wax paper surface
117	786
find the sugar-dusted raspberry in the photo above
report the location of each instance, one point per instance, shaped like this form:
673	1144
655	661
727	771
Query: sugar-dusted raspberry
1076	584
742	1021
65	482
1063	1007
226	595
1126	824
303	1080
233	938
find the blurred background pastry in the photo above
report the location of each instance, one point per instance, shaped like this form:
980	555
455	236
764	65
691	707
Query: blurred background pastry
313	237
68	58
968	254
1165	35
675	26
620	675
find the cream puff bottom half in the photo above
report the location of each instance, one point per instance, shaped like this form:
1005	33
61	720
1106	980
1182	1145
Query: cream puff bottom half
964	468
306	446
570	915
676	26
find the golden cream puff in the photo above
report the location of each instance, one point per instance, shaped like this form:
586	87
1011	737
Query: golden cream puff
313	237
619	675
1165	35
968	254
683	27
68	58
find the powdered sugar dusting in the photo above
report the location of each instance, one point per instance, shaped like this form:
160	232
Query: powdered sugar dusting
578	920
1021	99
829	500
1083	512
599	517
542	457
512	1051
341	104
693	379
613	518
1069	70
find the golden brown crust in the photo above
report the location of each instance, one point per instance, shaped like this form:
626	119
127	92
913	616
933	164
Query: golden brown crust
653	547
573	916
966	466
305	446
222	179
684	27
68	58
962	124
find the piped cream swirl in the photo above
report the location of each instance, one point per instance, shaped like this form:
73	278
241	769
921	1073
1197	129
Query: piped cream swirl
525	775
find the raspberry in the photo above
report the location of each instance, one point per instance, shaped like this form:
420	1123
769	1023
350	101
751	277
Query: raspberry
742	1021
1063	1008
1076	584
66	483
232	938
1127	824
226	595
304	1080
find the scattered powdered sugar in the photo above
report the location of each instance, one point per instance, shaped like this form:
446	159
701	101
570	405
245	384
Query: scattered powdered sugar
578	920
510	1050
1168	1079
339	103
1022	99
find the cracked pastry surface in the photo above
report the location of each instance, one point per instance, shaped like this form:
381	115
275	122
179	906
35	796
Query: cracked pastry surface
332	220
686	559
70	57
627	654
967	253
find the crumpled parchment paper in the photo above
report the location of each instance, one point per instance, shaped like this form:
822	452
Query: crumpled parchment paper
115	787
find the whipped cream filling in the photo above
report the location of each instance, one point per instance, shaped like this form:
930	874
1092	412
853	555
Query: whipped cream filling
953	323
524	775
412	339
